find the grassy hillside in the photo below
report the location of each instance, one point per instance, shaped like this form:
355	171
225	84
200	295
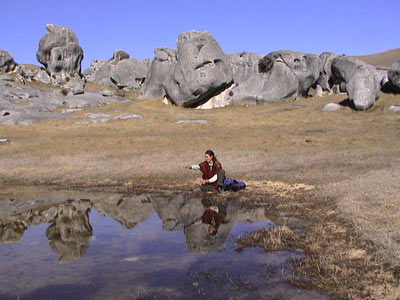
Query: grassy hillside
382	59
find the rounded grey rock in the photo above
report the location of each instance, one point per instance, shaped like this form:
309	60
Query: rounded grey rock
60	53
7	63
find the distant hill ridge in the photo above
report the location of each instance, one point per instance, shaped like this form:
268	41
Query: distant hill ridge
382	59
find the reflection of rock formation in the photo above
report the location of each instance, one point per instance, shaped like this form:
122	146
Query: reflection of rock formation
70	232
128	211
12	232
179	211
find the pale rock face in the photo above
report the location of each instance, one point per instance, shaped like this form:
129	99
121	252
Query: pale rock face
202	69
244	64
60	53
361	83
191	75
282	75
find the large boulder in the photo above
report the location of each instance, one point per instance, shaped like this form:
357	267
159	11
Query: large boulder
60	53
160	73
129	73
282	75
325	78
306	67
7	63
202	70
361	83
189	77
394	75
100	71
244	64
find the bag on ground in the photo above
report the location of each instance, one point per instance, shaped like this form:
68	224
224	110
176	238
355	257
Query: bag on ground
233	185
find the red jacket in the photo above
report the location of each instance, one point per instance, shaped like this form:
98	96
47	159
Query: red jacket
210	172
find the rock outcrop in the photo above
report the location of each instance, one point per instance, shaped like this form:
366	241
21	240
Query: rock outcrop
244	64
129	73
59	51
325	78
160	73
361	83
7	63
100	71
282	75
198	71
394	76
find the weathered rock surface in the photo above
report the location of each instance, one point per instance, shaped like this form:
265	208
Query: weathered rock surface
189	77
42	76
394	108
76	85
282	75
394	75
129	73
361	84
100	71
60	53
202	70
331	107
25	104
325	78
244	64
160	73
306	67
7	63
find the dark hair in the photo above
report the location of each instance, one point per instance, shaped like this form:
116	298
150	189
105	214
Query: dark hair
211	153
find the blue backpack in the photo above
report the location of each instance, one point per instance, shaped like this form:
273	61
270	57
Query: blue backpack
233	185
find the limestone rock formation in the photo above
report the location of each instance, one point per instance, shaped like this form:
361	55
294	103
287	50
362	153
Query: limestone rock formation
129	73
60	53
202	69
244	64
198	71
361	84
100	71
394	75
7	63
160	73
282	74
325	78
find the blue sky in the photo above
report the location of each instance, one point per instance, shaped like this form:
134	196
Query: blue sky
350	27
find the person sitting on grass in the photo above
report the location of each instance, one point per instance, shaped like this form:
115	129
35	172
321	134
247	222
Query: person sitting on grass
213	174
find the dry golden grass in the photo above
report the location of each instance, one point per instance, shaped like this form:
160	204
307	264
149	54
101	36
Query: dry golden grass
383	59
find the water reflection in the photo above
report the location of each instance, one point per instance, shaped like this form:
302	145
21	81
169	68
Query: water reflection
110	246
70	231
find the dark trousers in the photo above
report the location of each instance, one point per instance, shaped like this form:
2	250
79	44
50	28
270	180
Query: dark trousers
208	187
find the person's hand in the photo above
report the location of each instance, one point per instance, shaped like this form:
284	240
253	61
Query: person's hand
204	181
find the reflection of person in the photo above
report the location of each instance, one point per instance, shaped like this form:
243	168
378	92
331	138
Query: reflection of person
213	215
213	174
213	218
